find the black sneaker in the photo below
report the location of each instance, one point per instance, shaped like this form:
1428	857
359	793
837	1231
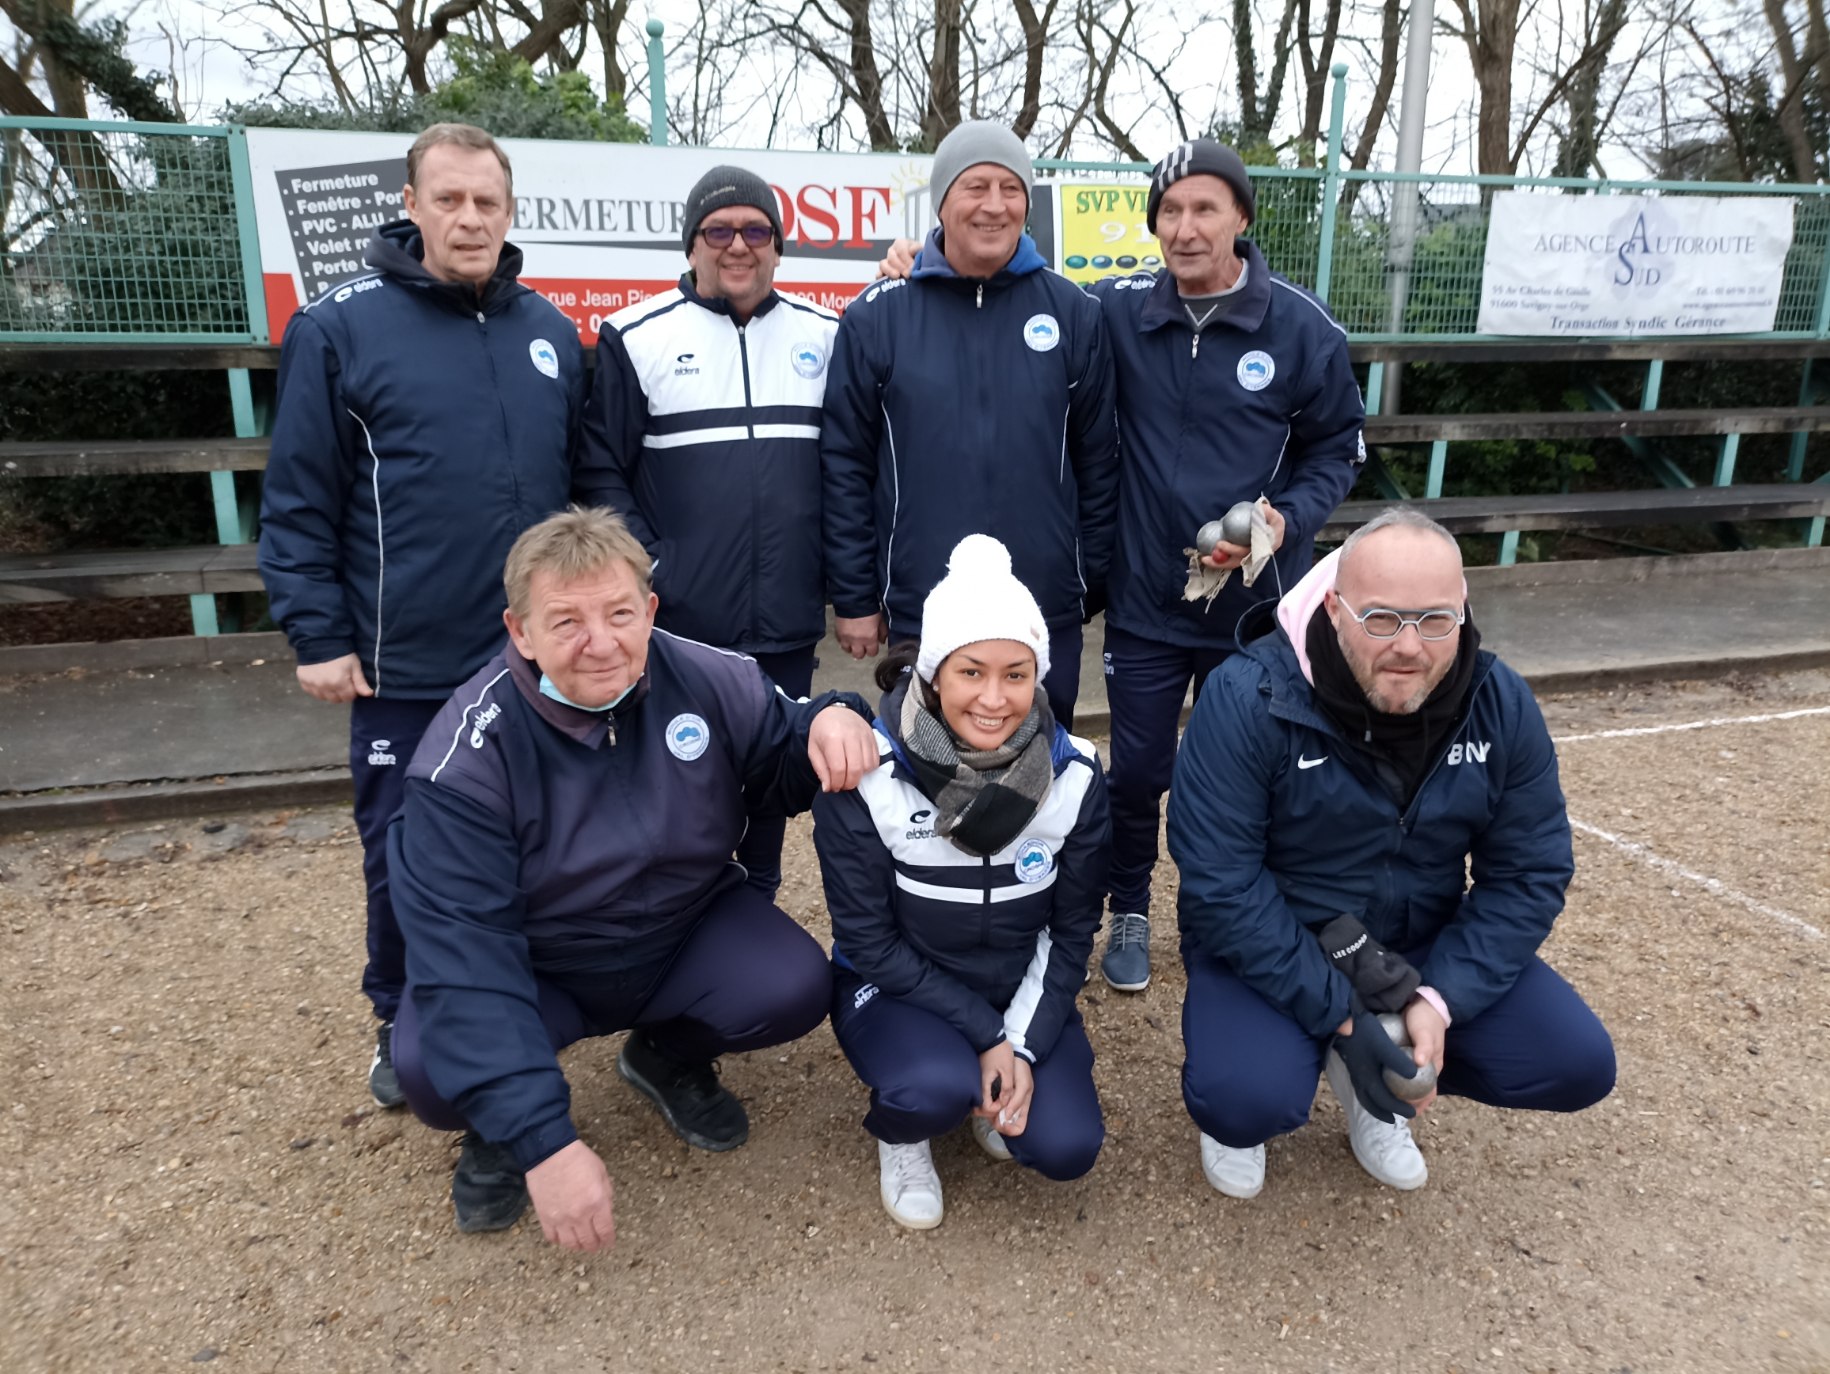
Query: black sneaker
488	1189
384	1083
700	1109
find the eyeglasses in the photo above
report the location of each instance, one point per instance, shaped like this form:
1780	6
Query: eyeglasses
1381	623
723	235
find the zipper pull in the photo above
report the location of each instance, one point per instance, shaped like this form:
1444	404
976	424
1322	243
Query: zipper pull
981	304
610	730
1195	350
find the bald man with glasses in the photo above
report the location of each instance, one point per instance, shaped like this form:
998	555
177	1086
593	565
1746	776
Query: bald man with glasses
1367	819
703	432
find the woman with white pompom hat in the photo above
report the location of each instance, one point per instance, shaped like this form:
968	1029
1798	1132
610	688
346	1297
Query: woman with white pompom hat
965	878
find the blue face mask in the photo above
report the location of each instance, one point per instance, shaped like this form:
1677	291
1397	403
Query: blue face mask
547	689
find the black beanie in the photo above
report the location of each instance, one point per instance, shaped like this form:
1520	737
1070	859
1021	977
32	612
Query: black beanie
723	187
1201	157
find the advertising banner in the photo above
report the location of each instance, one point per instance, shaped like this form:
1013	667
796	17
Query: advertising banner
1633	265
599	223
1103	233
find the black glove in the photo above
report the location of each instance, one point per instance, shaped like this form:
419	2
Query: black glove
1383	979
1368	1052
1092	602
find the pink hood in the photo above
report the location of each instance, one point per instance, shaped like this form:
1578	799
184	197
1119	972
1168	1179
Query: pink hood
1301	603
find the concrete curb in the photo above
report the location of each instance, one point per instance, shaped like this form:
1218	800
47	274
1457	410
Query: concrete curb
171	800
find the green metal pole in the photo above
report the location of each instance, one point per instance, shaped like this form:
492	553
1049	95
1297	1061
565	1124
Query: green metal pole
1331	182
241	178
657	85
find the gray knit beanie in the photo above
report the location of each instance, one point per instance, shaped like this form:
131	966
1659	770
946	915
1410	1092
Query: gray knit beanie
1201	157
976	141
721	188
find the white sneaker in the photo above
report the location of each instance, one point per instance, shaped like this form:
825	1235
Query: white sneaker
1237	1173
1387	1152
909	1185
989	1140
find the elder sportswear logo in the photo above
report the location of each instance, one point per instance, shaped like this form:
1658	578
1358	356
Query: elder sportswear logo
379	757
484	720
546	359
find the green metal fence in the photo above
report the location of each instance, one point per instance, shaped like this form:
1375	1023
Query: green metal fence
124	232
116	232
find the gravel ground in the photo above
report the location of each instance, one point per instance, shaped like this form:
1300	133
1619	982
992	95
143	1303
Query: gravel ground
191	1170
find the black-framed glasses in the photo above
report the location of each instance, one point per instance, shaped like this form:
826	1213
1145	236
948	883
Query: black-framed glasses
1382	623
724	235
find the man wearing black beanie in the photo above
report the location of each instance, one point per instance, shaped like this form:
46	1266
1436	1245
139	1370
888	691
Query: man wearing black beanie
704	422
1234	385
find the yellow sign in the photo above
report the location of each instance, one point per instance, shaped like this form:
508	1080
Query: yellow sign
1103	232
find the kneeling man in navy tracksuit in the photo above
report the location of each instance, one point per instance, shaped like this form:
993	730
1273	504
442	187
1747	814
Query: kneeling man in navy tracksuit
562	869
1355	768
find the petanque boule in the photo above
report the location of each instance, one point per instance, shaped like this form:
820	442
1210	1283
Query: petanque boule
1235	527
1416	1088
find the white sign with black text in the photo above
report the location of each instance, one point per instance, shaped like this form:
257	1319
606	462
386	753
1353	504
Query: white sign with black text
1633	265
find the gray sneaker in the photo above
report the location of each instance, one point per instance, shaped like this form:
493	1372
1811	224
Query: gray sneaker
384	1083
1126	965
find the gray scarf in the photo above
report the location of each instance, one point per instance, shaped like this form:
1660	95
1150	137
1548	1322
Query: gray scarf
983	798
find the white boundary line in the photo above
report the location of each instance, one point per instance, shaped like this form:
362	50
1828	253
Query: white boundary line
1713	885
1694	725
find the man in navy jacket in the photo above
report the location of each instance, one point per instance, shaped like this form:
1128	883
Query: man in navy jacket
1233	384
562	869
975	397
1367	759
703	431
427	414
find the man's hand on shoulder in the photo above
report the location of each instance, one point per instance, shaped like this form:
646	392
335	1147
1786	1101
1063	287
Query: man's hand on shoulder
339	679
842	748
900	260
574	1199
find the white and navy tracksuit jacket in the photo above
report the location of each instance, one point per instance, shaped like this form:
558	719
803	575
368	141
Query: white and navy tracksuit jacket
705	435
996	946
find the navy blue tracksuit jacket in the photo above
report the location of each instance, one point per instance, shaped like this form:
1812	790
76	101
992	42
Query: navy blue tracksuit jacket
1278	825
539	836
1262	402
960	406
420	429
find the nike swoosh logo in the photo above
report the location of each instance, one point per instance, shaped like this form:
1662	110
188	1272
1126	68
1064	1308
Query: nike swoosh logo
1303	761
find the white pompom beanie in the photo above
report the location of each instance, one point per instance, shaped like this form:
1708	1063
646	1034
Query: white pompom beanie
979	599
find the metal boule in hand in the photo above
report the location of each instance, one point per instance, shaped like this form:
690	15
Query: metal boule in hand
1420	1086
1235	527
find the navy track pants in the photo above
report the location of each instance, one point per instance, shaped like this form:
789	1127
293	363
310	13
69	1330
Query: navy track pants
924	1080
747	977
760	850
1146	681
1250	1071
383	733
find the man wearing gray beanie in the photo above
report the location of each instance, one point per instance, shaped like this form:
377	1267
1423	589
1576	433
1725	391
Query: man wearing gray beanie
978	400
704	423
